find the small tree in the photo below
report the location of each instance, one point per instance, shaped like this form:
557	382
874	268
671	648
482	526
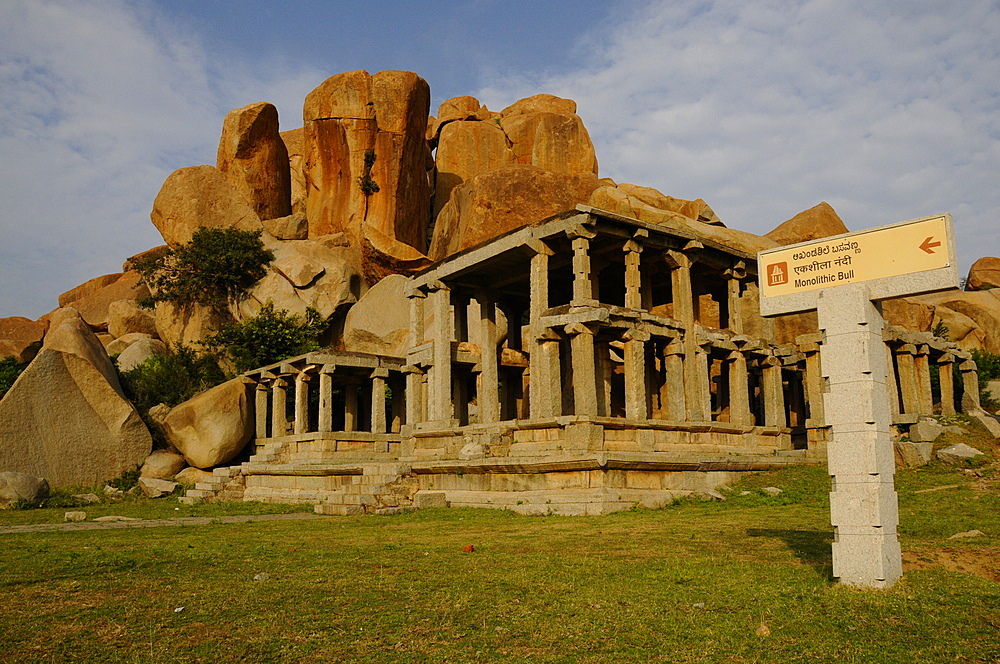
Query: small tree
10	369
170	377
215	268
270	336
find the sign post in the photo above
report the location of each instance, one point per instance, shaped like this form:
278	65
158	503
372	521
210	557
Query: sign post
842	278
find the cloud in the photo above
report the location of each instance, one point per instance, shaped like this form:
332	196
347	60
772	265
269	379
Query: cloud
102	100
886	110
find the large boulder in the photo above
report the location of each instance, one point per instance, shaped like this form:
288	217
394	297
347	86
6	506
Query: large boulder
350	120
127	317
305	273
139	351
212	427
254	159
984	274
813	224
554	141
93	298
631	201
185	325
162	465
21	338
981	307
200	196
21	486
504	199
294	140
66	417
909	314
466	149
293	227
380	322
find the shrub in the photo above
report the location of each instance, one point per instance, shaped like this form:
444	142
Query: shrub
10	369
215	268
270	336
170	377
988	365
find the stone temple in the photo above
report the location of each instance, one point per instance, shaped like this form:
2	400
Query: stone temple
584	364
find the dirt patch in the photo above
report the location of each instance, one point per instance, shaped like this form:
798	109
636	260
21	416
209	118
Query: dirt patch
982	562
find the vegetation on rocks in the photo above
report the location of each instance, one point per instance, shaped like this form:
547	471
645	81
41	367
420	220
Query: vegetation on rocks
10	369
988	365
171	377
270	336
214	269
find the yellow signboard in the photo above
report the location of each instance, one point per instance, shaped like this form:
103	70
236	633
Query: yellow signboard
889	251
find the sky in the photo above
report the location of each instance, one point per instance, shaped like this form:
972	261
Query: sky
887	110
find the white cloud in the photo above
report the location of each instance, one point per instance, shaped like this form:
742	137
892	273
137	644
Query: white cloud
102	100
886	110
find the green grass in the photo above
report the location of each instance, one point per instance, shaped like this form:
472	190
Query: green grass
746	580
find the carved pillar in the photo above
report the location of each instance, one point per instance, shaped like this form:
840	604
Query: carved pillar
488	397
739	389
922	369
260	409
378	399
546	377
734	282
774	393
680	264
279	421
636	385
947	382
892	384
440	408
809	346
582	357
675	397
970	386
326	398
415	403
633	275
908	379
702	387
302	403
584	284
460	304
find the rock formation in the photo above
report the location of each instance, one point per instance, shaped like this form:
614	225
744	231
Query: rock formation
254	158
812	224
213	426
66	418
984	274
93	298
21	338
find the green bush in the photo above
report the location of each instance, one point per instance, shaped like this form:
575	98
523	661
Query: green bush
215	268
988	365
270	336
10	369
170	377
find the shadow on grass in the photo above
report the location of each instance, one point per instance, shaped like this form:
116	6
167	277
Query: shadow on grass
812	547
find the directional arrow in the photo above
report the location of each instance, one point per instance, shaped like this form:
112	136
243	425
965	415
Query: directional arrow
927	245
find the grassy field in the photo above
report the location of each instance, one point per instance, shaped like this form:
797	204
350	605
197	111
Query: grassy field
747	580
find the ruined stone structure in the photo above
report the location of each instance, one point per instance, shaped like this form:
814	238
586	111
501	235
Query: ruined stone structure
583	364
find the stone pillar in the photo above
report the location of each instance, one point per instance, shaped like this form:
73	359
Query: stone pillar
416	298
546	377
734	282
605	369
460	305
673	365
584	286
892	384
774	393
922	370
683	308
809	346
908	379
279	422
260	409
947	382
636	385
863	504
702	391
302	403
326	398
739	389
970	386
584	369
440	408
350	405
633	275
399	399
378	399
489	378
415	403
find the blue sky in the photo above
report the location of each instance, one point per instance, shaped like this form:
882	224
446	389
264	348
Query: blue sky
889	111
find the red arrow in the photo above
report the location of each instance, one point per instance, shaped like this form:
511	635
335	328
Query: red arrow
927	245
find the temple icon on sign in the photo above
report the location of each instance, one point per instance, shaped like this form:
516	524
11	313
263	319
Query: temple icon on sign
777	274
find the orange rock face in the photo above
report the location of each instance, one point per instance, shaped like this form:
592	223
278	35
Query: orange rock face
253	157
198	196
295	146
984	274
93	298
504	199
466	149
21	338
812	224
383	117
